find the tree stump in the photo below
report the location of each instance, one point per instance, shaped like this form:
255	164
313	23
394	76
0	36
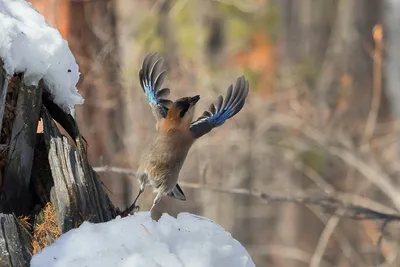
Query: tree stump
47	184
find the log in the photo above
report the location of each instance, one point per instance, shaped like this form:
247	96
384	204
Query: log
15	196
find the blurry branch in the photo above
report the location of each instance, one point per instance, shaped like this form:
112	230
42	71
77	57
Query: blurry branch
380	241
351	254
337	205
330	191
369	170
314	177
377	34
323	241
373	175
117	170
340	41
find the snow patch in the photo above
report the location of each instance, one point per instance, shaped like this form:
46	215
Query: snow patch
28	44
138	241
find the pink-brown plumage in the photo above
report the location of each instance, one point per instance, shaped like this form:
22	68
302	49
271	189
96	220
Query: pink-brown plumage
162	161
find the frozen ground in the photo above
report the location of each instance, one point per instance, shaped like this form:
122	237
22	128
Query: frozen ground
138	241
28	44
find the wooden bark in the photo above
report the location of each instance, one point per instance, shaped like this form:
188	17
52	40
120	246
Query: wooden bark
3	92
13	251
77	194
15	195
62	176
44	169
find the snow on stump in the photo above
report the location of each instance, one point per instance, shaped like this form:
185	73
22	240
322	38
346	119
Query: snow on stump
138	241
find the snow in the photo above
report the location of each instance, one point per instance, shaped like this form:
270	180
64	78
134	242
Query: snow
28	44
138	241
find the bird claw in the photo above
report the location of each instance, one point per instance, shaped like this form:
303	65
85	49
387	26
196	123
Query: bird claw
128	211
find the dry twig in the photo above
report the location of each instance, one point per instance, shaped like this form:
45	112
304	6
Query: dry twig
330	204
377	84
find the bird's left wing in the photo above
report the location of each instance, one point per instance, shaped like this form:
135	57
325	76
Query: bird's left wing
152	75
222	109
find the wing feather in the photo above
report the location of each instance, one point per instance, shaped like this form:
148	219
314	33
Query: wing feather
152	76
222	109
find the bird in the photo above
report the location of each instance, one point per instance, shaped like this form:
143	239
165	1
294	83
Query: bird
161	163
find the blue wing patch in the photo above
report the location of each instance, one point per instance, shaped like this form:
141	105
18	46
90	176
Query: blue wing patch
222	109
151	97
152	76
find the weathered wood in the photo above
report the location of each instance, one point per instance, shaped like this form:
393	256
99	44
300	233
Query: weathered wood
15	192
45	168
14	243
64	119
3	92
77	194
41	178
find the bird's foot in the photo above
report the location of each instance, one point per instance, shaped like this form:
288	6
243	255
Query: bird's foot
129	210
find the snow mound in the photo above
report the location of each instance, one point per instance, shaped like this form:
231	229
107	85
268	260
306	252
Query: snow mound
28	44
138	241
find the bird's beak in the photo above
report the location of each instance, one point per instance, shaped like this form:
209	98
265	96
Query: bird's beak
194	100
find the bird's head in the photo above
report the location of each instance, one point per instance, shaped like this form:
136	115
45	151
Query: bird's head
182	110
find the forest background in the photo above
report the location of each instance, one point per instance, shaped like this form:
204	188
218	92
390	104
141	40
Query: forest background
321	120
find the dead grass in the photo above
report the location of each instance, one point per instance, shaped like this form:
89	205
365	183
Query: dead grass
47	232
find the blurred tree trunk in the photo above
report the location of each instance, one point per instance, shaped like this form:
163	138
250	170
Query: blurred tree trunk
93	40
349	58
166	33
391	22
56	13
306	26
220	207
328	40
392	44
232	211
331	41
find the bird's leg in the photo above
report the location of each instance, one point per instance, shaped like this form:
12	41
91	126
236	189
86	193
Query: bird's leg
152	207
134	202
156	200
133	206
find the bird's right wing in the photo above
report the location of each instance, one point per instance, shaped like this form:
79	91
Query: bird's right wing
222	109
152	75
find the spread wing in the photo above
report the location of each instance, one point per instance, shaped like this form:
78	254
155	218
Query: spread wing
222	109
152	75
